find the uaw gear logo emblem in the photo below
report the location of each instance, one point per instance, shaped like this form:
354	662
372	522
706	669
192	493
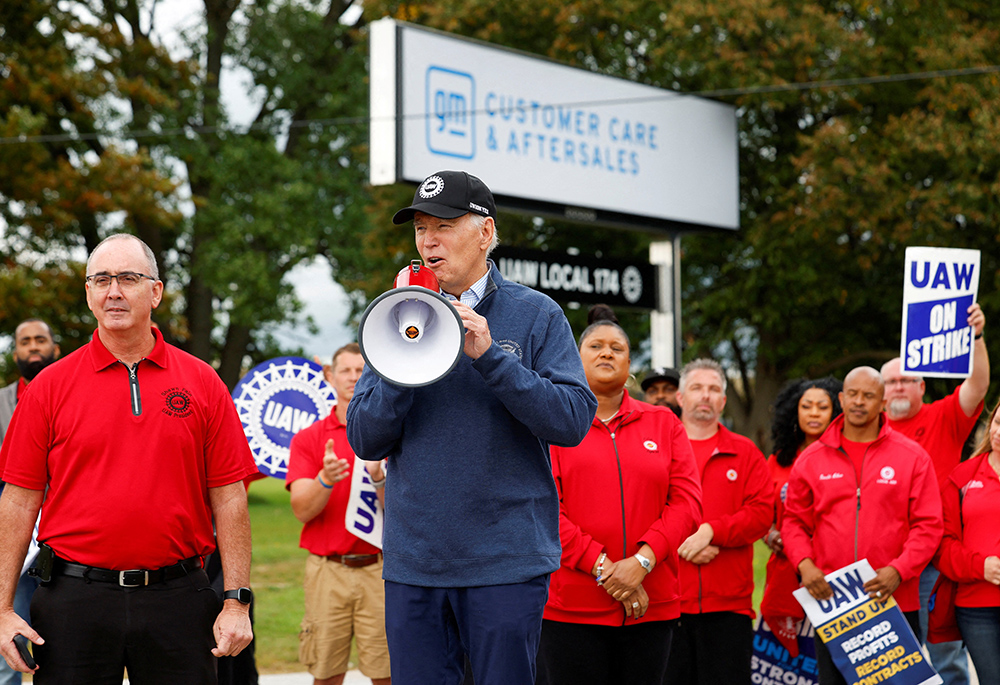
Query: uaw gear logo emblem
178	402
432	185
277	399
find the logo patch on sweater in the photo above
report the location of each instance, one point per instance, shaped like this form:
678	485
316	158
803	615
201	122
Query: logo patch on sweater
178	402
888	475
511	346
732	475
651	446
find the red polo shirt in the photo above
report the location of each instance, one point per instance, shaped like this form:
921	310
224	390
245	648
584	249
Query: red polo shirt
941	428
325	533
127	486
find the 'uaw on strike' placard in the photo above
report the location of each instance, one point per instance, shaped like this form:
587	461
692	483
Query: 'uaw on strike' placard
870	642
939	286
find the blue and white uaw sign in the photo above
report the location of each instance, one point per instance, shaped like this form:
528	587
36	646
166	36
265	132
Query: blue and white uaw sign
772	664
939	286
277	399
364	516
870	642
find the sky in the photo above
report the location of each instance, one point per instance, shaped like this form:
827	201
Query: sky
322	298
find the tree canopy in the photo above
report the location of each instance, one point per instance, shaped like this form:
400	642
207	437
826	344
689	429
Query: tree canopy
106	130
845	160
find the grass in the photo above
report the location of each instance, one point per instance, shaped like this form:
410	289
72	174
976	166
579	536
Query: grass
276	577
278	564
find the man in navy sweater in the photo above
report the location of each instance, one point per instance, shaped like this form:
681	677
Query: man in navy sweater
472	515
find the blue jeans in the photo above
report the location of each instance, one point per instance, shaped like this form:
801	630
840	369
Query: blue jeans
22	601
948	658
980	628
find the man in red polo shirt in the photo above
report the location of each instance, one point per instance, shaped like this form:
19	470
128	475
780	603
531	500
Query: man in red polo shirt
344	593
713	642
136	448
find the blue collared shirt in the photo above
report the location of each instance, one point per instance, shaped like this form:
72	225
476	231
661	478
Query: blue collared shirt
473	295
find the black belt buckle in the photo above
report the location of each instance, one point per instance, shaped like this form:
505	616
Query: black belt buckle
133	578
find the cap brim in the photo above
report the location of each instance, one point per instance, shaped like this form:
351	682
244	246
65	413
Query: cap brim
646	382
432	208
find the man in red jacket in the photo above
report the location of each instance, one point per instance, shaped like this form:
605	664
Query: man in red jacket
713	642
862	491
941	428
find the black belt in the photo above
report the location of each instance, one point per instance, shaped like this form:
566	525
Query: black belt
133	578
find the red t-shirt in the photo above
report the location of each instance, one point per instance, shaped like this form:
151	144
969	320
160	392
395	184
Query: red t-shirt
703	449
856	451
127	489
325	533
941	428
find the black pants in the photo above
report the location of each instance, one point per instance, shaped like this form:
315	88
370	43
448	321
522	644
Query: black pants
829	674
710	649
93	631
579	654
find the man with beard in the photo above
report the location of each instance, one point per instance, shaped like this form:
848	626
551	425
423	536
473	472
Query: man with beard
34	349
660	388
713	641
941	428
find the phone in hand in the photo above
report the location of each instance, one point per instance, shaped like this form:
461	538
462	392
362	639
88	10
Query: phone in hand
22	648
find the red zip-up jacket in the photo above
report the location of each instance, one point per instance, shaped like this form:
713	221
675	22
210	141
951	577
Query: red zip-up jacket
891	515
971	501
630	482
738	502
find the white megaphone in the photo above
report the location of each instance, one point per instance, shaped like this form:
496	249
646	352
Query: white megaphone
411	335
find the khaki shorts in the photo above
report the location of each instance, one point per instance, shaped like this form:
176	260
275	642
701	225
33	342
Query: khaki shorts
342	602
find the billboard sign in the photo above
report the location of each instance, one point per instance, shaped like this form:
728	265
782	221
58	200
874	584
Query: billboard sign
548	137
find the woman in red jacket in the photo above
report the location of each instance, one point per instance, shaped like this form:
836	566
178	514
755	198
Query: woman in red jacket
970	550
629	495
803	410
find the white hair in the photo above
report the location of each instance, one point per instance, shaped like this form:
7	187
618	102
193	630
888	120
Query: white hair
478	221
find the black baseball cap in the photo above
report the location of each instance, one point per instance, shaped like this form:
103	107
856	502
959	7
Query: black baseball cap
662	373
449	195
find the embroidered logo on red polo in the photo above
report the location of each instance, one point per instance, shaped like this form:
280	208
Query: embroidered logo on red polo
178	402
732	475
971	485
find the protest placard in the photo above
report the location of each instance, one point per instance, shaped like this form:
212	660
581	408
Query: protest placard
939	286
771	663
869	640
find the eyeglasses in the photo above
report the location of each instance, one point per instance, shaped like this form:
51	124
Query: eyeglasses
126	280
901	381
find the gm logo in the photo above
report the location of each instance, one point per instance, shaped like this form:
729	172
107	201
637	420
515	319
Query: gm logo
451	125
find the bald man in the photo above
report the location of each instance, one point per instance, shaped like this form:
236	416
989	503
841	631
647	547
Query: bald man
863	490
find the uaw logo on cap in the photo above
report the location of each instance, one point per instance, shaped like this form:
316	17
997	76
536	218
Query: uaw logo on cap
277	399
432	185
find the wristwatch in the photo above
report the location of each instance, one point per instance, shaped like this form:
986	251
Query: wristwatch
643	561
243	595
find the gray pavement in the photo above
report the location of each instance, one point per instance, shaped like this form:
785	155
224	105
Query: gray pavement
353	678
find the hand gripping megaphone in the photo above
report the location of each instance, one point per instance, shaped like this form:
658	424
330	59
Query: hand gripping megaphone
411	335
